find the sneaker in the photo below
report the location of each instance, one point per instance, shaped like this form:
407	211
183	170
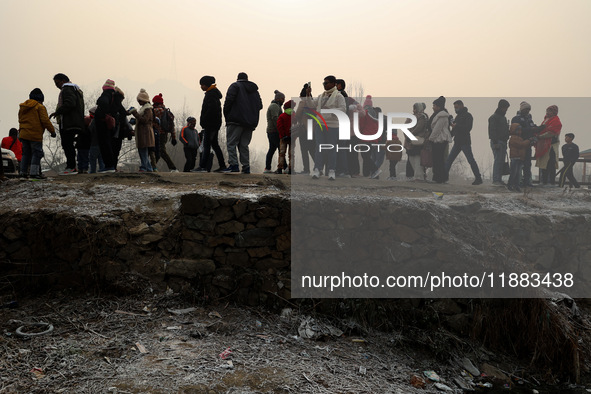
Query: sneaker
198	169
499	183
391	178
107	171
477	181
82	172
69	171
38	176
376	174
246	170
219	170
304	173
231	168
331	175
267	171
315	173
278	171
175	170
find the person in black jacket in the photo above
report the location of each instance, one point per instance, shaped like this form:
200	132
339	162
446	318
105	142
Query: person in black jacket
461	127
211	121
570	155
107	120
242	109
498	133
70	117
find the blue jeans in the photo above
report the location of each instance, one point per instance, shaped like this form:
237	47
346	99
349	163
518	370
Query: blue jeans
499	149
95	155
467	149
145	159
327	156
516	166
32	154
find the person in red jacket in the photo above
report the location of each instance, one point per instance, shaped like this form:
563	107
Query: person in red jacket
12	143
285	145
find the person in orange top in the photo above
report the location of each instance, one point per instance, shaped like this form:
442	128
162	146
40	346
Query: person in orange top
12	143
285	144
548	144
33	121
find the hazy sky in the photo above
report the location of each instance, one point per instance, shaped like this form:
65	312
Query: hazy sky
424	48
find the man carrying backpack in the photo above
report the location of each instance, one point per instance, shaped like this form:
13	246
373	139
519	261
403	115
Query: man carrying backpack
165	127
70	117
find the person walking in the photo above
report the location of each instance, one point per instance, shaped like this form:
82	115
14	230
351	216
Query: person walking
498	134
241	109
570	155
460	130
33	121
70	118
211	121
165	127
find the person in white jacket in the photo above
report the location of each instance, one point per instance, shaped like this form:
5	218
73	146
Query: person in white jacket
331	98
440	137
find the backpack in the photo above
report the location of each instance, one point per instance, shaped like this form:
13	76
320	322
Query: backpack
167	121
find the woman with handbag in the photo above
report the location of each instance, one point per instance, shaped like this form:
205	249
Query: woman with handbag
414	148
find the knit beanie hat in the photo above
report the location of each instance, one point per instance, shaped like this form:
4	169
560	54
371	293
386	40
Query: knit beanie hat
279	95
37	95
288	104
158	99
440	102
243	76
524	105
190	118
109	84
143	96
503	104
368	101
207	80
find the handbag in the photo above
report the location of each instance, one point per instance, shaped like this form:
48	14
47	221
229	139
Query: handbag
110	121
419	141
426	156
506	168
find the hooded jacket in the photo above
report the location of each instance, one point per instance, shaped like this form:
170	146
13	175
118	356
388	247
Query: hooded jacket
33	120
243	104
461	131
440	128
498	129
144	135
273	113
211	110
70	110
284	123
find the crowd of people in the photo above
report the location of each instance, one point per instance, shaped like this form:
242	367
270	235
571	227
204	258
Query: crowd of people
92	142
